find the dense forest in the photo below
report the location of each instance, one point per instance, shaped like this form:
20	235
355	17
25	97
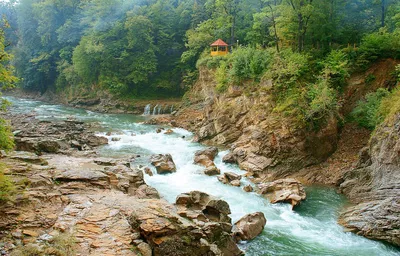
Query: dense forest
150	47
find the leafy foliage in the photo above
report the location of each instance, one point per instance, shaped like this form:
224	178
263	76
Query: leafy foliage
390	105
7	80
367	113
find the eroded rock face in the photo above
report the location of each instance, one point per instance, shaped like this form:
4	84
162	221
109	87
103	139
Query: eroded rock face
374	185
283	190
249	226
163	163
262	141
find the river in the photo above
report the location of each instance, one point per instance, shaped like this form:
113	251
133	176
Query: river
311	229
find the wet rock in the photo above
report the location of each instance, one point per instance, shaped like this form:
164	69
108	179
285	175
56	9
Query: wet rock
159	130
115	139
168	233
212	170
230	178
200	204
163	163
249	226
95	141
248	188
235	183
206	157
210	152
148	171
230	158
169	131
283	190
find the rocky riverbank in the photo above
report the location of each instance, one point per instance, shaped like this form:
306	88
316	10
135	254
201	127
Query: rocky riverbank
70	201
375	188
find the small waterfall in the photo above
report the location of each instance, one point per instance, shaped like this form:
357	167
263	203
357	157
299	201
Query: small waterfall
147	110
172	109
166	109
155	110
158	109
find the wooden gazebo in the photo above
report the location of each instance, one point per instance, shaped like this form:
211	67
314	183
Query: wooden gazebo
219	48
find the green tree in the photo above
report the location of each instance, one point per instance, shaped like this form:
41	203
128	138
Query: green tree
7	80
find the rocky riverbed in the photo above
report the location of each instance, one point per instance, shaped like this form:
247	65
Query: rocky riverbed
102	204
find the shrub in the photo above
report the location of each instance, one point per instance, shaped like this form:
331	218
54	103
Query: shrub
61	245
247	63
322	100
390	105
367	113
6	136
221	77
7	188
336	68
287	68
381	44
210	62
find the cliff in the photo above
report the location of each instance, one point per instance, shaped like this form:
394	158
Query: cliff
374	186
263	141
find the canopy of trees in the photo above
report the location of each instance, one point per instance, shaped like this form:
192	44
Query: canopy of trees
150	47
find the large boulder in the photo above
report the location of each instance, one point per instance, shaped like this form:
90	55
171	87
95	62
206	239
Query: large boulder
206	157
230	158
249	226
171	234
283	190
201	206
163	163
212	170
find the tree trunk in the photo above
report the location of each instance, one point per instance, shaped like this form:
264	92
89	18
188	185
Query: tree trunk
300	32
383	13
300	28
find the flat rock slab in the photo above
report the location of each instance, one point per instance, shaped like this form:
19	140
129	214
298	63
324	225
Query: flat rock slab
81	175
27	157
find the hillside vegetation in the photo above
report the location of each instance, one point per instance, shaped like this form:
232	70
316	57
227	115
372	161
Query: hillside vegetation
149	48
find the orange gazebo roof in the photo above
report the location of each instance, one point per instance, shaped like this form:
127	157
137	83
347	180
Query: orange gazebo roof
219	42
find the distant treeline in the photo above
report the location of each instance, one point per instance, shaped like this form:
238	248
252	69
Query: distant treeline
150	47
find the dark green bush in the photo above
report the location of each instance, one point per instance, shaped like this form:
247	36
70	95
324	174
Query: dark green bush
381	44
248	63
336	69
